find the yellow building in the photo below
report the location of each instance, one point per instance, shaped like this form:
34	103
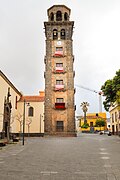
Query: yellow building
91	120
114	119
9	96
12	110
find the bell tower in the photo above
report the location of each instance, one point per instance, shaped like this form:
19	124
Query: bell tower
59	73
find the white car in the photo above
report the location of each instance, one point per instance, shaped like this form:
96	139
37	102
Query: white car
105	132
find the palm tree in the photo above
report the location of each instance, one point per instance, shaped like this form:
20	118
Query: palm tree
84	106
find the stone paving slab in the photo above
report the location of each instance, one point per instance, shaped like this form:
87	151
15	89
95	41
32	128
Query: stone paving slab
87	157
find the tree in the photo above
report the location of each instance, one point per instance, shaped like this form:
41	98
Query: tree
85	125
19	118
100	123
118	98
84	106
111	91
28	123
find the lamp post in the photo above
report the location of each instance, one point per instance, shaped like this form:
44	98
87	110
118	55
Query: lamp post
24	122
41	116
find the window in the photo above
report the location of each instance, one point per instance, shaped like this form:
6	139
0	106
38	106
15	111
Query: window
119	114
62	34
91	124
66	16
16	102
30	111
59	64
112	118
52	17
59	67
59	82
59	126
59	100
115	116
58	16
55	34
60	104
59	48
59	51
59	85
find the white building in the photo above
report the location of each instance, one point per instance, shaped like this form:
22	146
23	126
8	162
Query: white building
115	119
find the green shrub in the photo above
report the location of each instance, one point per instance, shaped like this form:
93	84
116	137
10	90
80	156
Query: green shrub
100	123
85	125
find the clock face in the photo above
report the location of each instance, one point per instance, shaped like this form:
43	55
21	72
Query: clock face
59	43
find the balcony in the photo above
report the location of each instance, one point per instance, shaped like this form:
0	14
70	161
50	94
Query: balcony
59	70
60	106
58	54
59	87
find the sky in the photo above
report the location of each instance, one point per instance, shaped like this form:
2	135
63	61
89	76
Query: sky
96	45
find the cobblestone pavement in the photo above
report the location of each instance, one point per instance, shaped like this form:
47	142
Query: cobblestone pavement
86	157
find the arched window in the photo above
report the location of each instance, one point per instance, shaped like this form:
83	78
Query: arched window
66	16
62	34
58	16
30	111
55	34
52	16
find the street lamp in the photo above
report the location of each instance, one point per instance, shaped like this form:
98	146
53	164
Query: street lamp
24	121
41	116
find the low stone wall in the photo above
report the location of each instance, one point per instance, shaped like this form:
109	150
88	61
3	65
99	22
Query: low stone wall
27	135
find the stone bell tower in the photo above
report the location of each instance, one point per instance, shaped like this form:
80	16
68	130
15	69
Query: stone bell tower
59	73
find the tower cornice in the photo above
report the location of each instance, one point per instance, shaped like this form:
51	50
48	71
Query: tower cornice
59	23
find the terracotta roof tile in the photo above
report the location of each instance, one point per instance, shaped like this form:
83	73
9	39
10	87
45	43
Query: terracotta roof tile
32	99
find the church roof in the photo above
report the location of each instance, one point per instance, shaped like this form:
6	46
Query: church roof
9	82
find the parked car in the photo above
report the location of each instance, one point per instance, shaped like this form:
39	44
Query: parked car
101	132
106	132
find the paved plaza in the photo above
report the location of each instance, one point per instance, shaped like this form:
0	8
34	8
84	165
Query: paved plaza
86	157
